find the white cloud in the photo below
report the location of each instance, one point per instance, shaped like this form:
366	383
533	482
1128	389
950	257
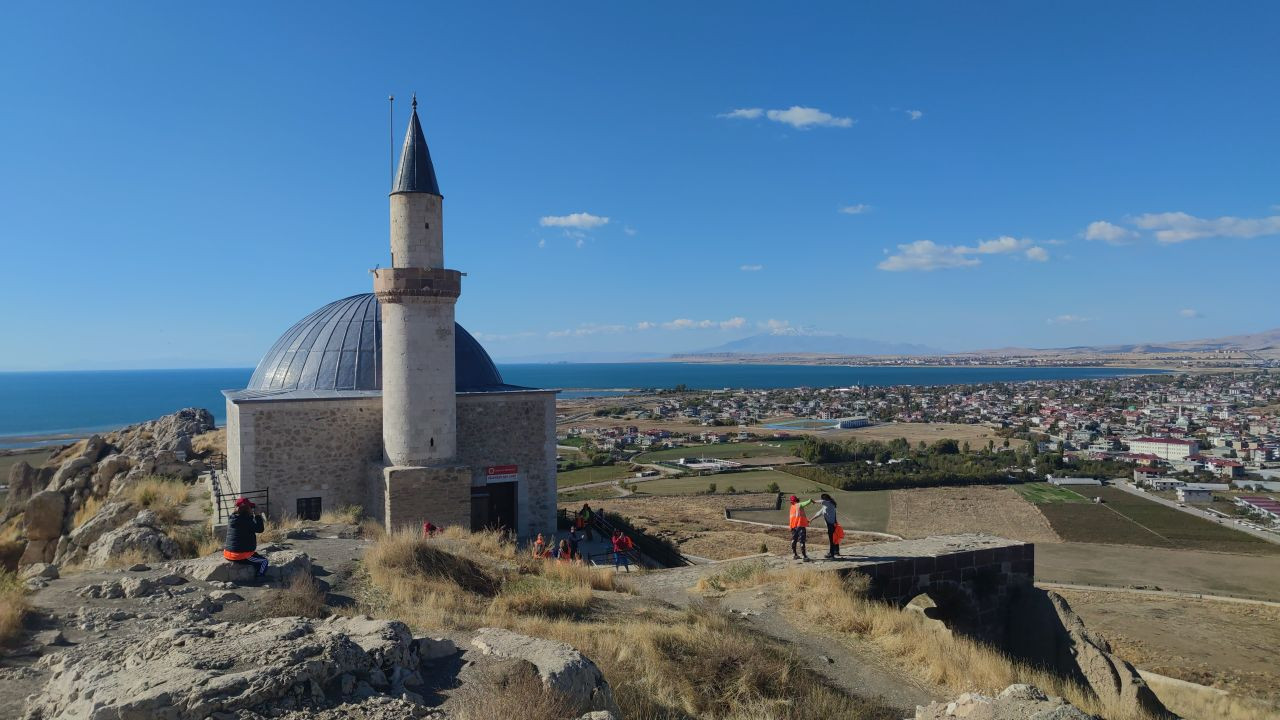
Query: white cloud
927	255
1038	254
502	337
733	323
687	324
1002	244
1176	227
802	118
1067	320
776	326
588	329
1190	313
629	231
579	220
856	209
914	114
743	113
645	325
542	243
580	242
750	268
1106	232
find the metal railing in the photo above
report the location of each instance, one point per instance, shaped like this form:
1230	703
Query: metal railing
224	500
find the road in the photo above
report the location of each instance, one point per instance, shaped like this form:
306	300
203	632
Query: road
1268	536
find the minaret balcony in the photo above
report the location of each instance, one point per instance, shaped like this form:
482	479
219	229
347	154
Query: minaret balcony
394	285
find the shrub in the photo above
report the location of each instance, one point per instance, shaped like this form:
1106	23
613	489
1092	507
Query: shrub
164	496
302	597
772	488
86	511
13	606
343	515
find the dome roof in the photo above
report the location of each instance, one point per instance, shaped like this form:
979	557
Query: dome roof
339	347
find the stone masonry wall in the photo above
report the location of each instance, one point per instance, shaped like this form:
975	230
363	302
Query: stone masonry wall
417	494
305	448
971	588
515	428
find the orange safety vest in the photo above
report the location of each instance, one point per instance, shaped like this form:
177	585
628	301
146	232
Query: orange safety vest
798	518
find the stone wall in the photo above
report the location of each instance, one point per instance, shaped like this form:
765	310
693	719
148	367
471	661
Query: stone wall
514	428
972	588
304	448
416	494
332	449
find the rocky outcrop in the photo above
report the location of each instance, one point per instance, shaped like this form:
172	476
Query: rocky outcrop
561	667
1016	702
283	565
73	547
140	539
23	481
42	521
1044	630
190	673
102	467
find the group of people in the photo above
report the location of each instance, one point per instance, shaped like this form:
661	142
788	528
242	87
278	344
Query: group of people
568	549
799	524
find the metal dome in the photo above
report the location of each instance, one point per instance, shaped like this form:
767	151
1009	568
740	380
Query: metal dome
339	347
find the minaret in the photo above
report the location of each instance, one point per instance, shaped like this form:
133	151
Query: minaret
419	402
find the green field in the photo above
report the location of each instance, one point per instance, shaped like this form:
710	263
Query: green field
749	481
591	493
1045	494
1127	519
857	510
723	451
599	473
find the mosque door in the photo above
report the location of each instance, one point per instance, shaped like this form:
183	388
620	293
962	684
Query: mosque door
479	507
502	506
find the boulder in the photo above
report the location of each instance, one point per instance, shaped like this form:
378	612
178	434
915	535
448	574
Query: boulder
144	541
23	480
560	666
72	474
1016	702
43	517
136	587
38	551
190	673
108	469
109	517
40	570
282	565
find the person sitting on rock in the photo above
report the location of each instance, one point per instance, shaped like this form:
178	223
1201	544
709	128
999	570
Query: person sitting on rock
242	536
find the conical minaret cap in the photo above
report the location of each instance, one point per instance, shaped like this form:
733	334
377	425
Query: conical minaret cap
416	173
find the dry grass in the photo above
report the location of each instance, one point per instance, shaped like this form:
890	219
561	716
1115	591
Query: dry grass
301	597
274	529
195	541
213	441
372	529
1199	702
514	695
937	656
164	496
343	515
748	573
122	560
87	510
13	606
661	663
11	530
10	553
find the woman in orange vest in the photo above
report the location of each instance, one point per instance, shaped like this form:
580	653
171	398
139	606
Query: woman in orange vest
799	528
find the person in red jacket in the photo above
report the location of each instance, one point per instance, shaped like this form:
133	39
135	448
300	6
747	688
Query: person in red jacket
799	528
621	546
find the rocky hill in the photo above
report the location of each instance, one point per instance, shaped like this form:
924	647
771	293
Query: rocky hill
73	509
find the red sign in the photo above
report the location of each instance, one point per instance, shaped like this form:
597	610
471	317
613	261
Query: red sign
500	472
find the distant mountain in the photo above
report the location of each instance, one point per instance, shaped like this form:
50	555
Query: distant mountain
582	356
1267	341
793	340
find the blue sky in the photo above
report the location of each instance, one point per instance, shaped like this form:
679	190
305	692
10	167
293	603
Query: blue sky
182	182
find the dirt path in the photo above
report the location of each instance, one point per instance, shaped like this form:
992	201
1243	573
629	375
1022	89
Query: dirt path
1191	571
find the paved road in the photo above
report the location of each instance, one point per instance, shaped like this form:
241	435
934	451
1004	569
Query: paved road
1268	536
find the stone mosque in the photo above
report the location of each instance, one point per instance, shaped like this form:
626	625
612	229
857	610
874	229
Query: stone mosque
381	400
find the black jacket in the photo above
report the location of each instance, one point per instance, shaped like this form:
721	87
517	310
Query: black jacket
242	532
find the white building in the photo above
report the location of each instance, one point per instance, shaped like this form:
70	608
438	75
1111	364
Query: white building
1164	448
1194	496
